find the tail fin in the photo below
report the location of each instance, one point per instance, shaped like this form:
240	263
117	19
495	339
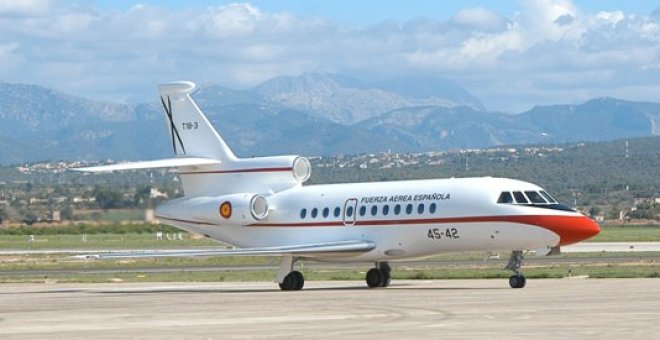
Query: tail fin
191	132
207	167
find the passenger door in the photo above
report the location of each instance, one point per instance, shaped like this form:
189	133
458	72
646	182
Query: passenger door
350	210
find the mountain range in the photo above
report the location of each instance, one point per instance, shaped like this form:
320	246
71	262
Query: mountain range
313	114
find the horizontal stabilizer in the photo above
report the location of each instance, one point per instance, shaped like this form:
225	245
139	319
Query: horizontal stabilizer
160	163
302	249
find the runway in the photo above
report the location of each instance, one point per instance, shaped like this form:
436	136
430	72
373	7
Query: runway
551	308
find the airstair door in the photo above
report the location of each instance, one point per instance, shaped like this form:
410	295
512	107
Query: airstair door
350	210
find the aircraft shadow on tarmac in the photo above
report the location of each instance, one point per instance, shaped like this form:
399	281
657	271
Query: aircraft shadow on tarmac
174	290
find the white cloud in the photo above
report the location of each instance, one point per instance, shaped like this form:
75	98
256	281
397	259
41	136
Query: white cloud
234	20
480	18
24	7
548	19
548	52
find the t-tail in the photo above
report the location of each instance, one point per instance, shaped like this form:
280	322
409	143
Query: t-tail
209	170
191	132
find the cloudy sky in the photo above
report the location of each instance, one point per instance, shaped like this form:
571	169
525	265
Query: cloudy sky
510	54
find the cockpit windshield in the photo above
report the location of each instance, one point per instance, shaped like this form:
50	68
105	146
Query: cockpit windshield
535	197
548	197
505	197
520	197
532	198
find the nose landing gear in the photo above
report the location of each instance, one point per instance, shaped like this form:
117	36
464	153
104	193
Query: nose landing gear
518	280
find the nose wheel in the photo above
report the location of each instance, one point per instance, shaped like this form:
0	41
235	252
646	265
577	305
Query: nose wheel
518	280
379	276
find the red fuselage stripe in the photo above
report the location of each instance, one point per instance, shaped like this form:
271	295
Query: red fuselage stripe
522	219
238	171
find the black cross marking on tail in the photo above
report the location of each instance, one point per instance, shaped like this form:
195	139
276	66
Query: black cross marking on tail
173	130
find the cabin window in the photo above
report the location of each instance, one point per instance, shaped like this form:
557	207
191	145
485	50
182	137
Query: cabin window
420	208
374	210
386	210
535	197
548	197
315	212
326	212
505	198
409	209
432	208
363	210
397	209
303	213
349	211
337	211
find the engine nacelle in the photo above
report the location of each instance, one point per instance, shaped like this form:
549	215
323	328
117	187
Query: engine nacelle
257	175
236	209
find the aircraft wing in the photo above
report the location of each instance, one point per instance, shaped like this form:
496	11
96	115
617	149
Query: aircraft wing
160	163
302	250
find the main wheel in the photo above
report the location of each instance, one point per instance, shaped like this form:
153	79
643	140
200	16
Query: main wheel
386	270
375	278
299	280
517	281
293	281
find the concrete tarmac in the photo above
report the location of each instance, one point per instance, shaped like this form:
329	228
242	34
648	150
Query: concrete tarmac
546	308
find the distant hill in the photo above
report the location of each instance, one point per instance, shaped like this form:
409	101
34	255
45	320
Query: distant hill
596	120
442	128
312	115
348	101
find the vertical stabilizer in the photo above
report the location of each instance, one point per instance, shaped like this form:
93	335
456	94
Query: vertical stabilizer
191	132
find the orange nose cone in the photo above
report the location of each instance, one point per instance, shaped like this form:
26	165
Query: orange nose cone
571	229
585	229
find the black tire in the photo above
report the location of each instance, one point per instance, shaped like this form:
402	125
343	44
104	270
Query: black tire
386	270
375	278
299	280
293	281
288	282
517	281
386	279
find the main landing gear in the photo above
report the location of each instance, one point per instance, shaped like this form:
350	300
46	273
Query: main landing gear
293	281
379	276
518	280
287	278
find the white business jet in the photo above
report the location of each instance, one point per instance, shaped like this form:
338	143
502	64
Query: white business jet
260	206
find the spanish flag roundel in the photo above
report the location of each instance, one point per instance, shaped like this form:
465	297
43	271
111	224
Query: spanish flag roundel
225	209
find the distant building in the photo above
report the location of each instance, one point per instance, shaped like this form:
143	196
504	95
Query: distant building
155	193
84	200
644	200
55	216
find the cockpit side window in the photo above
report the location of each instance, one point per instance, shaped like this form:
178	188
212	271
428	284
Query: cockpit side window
548	197
535	197
505	197
520	198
